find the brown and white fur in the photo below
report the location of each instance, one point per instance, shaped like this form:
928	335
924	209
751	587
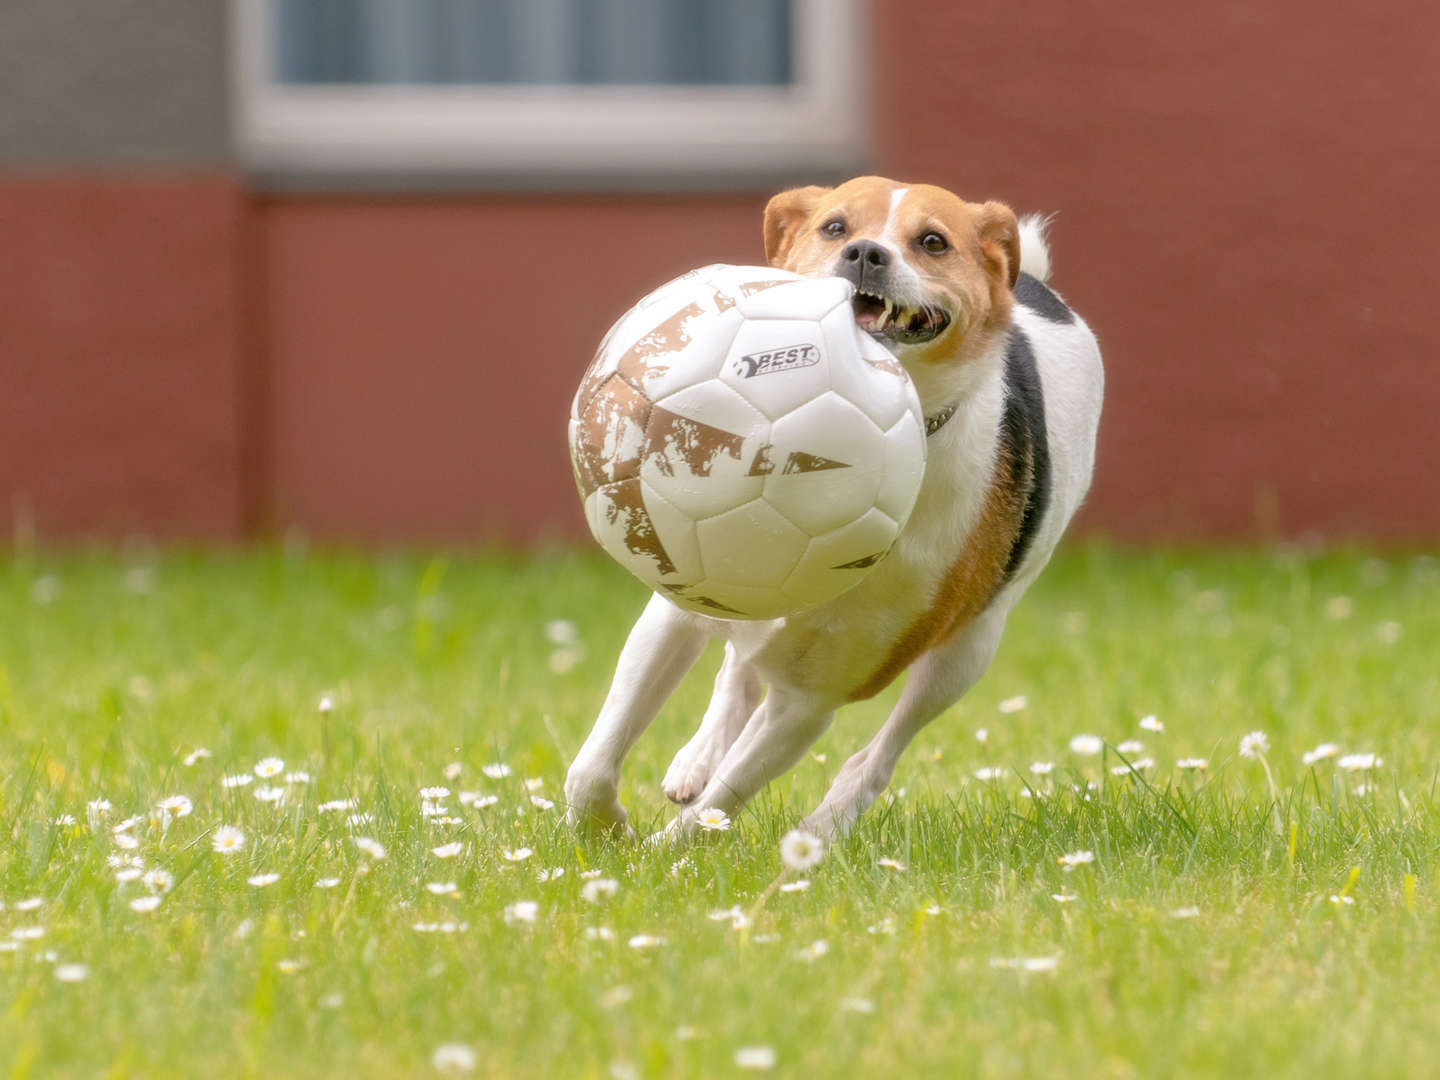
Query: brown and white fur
956	291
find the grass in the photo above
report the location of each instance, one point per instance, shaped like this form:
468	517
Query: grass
1221	929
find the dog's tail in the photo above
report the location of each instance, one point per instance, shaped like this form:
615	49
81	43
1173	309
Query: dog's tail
1034	247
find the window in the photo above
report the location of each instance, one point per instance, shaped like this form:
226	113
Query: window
586	92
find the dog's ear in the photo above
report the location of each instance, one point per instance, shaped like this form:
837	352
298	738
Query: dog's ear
1000	240
785	215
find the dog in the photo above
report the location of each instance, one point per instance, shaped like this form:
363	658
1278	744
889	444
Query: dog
1010	381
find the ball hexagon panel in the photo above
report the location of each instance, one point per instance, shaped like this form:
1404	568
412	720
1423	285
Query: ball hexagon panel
778	364
825	464
868	376
684	349
839	560
808	298
722	600
751	545
904	454
702	467
676	533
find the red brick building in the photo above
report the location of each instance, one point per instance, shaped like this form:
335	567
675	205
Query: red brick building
220	318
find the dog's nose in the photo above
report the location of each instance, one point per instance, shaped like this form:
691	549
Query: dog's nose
865	253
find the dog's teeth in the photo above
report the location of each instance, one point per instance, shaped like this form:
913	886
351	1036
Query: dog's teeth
886	314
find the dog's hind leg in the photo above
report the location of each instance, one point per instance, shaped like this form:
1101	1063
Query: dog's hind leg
937	680
736	696
661	648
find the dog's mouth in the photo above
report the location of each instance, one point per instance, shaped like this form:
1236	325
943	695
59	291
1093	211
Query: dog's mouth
883	317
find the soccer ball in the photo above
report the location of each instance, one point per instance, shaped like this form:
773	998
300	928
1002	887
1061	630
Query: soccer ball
742	447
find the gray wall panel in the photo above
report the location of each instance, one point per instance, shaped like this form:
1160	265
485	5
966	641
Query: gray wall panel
113	82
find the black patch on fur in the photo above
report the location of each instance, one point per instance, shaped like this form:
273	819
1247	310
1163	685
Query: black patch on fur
1041	299
1023	429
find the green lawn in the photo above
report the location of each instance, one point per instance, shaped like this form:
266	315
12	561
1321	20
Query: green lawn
1218	931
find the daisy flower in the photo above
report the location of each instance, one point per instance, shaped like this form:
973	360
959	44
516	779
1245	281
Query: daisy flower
561	632
259	881
712	820
196	755
599	889
516	854
1130	747
801	850
452	771
268	794
795	886
268	767
1041	768
496	771
299	776
989	772
1359	762
227	839
158	881
478	800
1320	753
891	864
1072	859
1254	744
448	851
1151	723
982	734
326	882
541	802
236	780
755	1057
72	973
373	848
177	805
1026	963
522	911
337	805
1014	704
1185	913
443	888
1189	763
554	873
144	904
1087	745
454	1058
646	941
434	793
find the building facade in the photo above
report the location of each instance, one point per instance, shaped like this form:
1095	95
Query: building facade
229	306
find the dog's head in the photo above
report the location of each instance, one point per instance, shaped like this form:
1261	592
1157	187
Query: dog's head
932	272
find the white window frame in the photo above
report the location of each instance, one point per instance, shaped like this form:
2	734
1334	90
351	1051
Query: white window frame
671	135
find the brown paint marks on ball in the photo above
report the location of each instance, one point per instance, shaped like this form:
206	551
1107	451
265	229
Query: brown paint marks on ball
610	435
750	288
673	439
640	360
625	504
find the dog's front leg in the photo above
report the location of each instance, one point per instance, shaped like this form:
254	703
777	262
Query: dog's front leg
937	680
662	646
787	723
736	696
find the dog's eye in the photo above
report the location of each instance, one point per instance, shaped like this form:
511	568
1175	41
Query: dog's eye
934	243
833	228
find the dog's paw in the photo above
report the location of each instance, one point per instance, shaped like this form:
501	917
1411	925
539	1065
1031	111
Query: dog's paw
691	770
594	806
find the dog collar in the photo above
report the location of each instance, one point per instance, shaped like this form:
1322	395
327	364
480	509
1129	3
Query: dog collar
936	421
